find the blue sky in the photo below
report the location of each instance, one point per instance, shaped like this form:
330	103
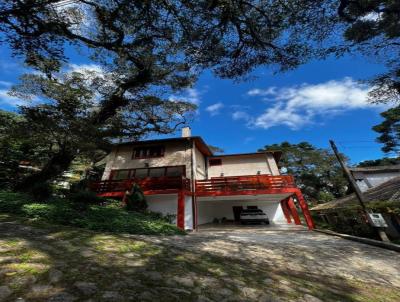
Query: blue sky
319	101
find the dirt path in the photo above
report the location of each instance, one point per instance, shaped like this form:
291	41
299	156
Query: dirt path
63	264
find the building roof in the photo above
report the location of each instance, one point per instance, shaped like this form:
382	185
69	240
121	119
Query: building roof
200	144
376	169
276	154
387	191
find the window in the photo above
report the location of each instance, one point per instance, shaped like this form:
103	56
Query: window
148	152
121	174
215	162
156	172
139	173
175	171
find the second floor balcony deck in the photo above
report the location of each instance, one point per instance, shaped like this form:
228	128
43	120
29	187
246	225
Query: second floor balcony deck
242	185
216	186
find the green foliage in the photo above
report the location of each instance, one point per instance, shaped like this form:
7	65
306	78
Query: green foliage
385	161
110	217
316	171
41	190
135	200
389	130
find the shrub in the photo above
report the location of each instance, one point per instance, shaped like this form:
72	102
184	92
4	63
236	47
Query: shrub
81	200
135	200
110	216
41	191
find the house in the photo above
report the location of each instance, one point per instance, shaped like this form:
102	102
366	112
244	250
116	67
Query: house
384	198
369	177
182	177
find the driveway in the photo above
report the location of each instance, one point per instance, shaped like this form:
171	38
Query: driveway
251	264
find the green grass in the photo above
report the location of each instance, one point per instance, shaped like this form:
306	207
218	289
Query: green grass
109	218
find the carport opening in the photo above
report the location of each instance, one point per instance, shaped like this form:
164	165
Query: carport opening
226	210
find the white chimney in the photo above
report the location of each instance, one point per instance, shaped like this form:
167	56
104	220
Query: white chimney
186	132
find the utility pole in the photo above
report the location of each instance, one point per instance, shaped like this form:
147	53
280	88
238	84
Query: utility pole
357	190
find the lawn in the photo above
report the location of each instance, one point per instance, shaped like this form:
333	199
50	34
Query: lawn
110	217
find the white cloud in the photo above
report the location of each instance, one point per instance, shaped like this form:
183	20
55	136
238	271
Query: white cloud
5	84
190	95
240	115
6	99
298	106
257	91
214	109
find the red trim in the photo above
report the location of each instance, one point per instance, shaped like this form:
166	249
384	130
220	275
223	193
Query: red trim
304	208
293	211
180	221
285	210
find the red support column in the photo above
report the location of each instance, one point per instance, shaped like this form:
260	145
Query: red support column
180	219
304	208
285	210
293	211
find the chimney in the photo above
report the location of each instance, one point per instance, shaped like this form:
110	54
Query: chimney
186	132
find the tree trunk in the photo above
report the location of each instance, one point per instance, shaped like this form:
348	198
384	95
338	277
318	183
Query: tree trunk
57	164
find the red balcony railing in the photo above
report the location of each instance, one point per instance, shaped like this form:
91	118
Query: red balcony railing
232	184
149	185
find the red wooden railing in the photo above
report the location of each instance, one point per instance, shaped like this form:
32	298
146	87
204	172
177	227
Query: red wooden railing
243	183
163	184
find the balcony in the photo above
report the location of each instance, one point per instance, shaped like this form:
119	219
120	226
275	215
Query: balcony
149	185
245	185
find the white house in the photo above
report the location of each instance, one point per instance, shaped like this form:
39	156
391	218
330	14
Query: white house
181	176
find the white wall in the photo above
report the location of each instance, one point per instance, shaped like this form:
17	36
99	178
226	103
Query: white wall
188	213
244	165
165	203
176	154
210	209
199	164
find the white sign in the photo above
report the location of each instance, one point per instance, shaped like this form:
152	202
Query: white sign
377	220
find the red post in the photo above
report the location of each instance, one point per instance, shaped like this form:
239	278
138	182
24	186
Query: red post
181	210
285	210
293	211
304	208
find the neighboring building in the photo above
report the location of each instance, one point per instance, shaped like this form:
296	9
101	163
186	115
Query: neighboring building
181	176
369	177
387	192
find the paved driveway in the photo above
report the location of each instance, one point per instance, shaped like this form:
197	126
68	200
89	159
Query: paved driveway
306	257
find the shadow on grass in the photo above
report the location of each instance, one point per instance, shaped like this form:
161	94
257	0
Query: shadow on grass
43	263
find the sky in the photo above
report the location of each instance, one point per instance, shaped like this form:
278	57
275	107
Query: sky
319	101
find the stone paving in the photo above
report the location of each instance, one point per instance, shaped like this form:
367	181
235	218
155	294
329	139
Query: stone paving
50	263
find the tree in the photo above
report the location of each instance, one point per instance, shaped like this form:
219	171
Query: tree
316	171
385	161
17	148
63	123
389	130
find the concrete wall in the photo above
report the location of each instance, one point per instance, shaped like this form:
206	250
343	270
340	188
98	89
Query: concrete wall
176	154
210	209
245	165
188	213
199	165
164	204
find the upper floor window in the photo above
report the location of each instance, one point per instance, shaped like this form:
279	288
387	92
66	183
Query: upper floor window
148	152
215	162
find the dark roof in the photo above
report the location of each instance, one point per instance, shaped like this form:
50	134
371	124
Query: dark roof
379	169
200	144
388	191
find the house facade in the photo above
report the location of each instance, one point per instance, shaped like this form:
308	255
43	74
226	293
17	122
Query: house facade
181	176
369	177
